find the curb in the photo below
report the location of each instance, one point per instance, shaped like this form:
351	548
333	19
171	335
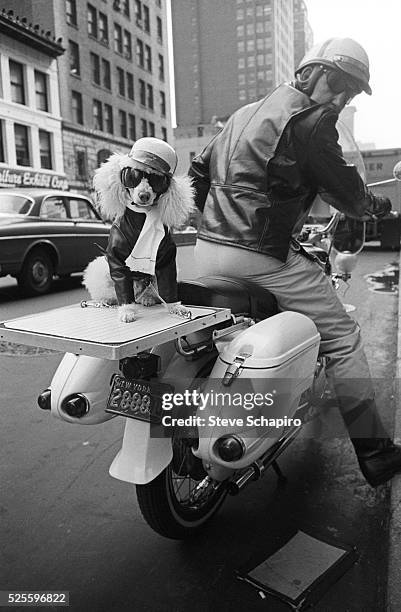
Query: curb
394	559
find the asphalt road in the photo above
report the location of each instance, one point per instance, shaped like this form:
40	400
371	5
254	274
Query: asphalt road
67	525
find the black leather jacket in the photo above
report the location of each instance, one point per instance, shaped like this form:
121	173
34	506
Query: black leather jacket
123	235
261	173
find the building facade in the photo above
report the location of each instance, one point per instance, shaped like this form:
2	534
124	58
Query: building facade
113	78
225	58
30	120
303	35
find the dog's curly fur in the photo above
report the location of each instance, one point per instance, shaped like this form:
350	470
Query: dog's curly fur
175	206
113	196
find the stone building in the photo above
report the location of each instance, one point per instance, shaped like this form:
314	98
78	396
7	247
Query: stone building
30	121
113	78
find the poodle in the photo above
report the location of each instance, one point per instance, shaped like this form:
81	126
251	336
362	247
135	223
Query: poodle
140	193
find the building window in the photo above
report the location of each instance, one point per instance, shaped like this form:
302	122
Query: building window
159	29
71	12
121	81
132	127
127	45
151	129
122	115
144	127
2	143
45	150
164	134
146	19
130	85
108	118
41	94
150	96
106	74
73	49
103	29
21	135
17	82
159	3
139	53
92	21
76	104
162	104
81	165
126	8
161	67
138	13
142	92
97	115
102	156
118	38
95	68
148	58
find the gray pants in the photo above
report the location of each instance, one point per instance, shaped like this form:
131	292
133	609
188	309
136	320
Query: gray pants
300	285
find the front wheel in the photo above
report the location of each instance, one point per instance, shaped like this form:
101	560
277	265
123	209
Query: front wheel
182	498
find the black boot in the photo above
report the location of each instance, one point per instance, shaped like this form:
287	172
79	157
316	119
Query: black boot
379	459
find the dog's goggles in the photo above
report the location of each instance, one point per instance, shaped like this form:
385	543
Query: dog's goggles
131	177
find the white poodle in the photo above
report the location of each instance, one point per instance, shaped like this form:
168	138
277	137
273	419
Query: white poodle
140	193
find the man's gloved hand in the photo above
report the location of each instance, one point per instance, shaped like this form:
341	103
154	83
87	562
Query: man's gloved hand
379	208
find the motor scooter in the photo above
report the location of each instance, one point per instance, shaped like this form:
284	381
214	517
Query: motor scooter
185	455
173	378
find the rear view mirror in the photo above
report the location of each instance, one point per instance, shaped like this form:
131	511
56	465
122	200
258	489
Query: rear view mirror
349	236
397	171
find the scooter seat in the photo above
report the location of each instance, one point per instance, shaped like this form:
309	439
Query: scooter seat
223	292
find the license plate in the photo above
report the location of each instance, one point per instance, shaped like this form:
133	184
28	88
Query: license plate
137	399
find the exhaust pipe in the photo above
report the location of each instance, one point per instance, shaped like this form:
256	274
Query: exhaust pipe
268	459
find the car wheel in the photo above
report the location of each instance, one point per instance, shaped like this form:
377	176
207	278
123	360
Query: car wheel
37	273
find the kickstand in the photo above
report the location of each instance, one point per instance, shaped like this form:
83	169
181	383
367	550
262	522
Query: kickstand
280	476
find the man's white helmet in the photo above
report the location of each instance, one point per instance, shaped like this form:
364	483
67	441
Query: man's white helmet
344	54
155	153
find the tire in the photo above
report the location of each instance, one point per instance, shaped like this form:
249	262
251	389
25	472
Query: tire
37	272
172	516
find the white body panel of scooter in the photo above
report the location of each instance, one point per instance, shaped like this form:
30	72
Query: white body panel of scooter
89	376
278	357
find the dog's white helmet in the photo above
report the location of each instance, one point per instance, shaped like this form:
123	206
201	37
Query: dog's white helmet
155	153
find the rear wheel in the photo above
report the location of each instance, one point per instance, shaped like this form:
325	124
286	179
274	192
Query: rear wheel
37	273
183	497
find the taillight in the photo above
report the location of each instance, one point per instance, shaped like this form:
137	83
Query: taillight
44	400
230	448
75	405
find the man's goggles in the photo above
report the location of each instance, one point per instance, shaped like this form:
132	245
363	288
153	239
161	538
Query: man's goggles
131	177
339	82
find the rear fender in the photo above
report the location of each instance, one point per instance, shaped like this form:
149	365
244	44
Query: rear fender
142	457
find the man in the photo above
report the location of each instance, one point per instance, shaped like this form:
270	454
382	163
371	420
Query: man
255	183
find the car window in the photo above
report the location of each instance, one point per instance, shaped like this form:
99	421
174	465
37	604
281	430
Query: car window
53	208
14	204
80	209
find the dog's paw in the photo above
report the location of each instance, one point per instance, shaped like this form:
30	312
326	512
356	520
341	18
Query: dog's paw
126	313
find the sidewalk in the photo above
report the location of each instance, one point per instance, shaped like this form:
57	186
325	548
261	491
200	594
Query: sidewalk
394	563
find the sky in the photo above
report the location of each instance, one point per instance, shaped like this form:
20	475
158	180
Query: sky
376	25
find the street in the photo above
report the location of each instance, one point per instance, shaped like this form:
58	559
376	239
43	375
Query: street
67	525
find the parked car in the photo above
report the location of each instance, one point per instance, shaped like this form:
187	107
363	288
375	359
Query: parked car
44	233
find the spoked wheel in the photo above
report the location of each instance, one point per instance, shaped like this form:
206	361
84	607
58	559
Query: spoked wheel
183	497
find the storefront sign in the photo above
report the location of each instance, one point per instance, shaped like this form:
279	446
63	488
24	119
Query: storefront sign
10	177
